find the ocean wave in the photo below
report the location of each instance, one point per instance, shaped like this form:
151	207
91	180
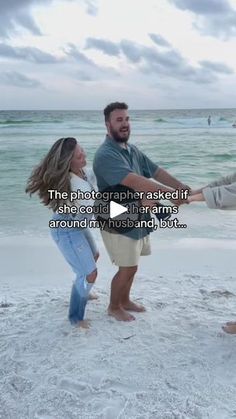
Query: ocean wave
223	119
28	121
160	120
223	156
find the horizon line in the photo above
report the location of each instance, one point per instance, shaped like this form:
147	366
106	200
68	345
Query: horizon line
98	110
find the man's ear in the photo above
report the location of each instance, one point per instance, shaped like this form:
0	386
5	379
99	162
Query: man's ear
108	126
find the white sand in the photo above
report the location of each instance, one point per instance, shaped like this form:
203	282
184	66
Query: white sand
172	362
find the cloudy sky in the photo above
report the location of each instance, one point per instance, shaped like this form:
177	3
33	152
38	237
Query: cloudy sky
82	54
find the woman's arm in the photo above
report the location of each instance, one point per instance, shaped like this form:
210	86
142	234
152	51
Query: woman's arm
221	197
226	180
196	198
218	197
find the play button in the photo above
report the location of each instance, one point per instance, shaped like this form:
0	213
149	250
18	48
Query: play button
116	209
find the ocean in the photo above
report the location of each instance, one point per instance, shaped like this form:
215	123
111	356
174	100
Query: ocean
178	140
173	361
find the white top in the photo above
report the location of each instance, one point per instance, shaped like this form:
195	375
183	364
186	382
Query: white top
79	184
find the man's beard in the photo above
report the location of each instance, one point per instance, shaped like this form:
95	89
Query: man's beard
117	137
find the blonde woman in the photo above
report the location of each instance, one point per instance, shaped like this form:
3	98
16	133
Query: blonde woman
62	169
220	194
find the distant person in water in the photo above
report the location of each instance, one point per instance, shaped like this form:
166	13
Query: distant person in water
220	194
62	169
209	120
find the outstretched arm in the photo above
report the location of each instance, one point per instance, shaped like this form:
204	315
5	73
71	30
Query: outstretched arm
221	197
162	176
225	180
196	198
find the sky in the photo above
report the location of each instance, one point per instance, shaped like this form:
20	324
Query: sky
83	54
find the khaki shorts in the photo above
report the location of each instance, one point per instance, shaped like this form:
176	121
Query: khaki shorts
123	250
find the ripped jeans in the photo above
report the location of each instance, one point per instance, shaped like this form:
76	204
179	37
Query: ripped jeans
79	249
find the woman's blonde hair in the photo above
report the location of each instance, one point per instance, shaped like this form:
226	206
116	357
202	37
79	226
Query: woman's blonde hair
53	172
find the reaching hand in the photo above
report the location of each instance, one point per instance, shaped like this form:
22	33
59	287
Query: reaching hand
195	191
196	197
179	201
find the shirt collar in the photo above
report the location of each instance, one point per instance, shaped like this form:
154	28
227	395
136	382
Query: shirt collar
111	141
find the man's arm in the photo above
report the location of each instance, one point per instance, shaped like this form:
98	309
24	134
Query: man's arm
165	178
142	184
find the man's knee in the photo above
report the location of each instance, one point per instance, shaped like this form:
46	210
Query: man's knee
92	277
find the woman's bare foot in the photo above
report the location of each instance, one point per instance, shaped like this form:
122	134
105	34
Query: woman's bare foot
92	296
84	324
120	314
230	327
131	306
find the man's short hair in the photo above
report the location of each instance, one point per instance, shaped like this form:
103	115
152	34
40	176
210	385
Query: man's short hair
112	107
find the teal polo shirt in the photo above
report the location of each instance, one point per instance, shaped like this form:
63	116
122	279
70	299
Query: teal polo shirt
112	163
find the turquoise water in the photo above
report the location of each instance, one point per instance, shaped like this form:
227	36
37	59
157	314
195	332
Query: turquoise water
178	140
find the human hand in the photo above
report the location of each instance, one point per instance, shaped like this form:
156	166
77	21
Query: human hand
182	195
179	201
196	197
195	191
185	191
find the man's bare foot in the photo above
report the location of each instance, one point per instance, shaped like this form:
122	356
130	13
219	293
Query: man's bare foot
120	314
84	324
92	296
131	306
230	327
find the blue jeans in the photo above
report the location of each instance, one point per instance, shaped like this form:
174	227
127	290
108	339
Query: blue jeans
79	249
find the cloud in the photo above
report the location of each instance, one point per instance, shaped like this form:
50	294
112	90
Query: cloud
216	67
215	17
204	7
108	47
149	60
131	50
88	69
14	13
171	64
83	76
159	40
13	78
72	51
18	13
31	54
91	7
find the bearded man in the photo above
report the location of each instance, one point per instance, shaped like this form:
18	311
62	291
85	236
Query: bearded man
117	162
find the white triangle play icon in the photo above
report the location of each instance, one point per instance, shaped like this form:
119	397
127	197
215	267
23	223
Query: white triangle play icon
116	209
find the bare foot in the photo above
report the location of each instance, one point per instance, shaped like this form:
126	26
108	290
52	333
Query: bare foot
131	306
120	314
84	324
230	327
92	296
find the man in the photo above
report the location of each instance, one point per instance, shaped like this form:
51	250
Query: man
118	163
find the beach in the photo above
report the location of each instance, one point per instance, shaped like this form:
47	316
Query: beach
174	361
